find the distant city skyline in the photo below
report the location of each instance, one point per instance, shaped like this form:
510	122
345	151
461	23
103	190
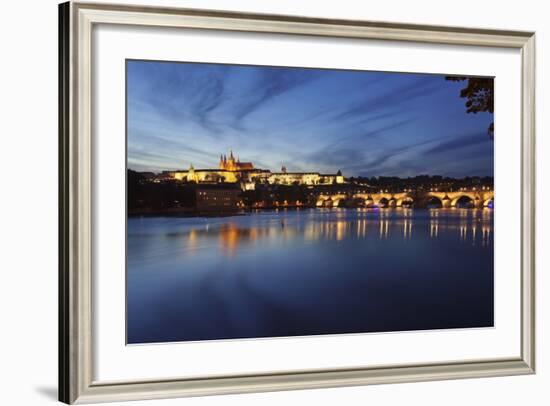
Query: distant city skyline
319	120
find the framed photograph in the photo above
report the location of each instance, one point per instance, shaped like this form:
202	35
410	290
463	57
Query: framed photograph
262	202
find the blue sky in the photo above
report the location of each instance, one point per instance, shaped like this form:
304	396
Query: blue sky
363	123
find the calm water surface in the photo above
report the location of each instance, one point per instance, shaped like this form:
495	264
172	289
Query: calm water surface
315	271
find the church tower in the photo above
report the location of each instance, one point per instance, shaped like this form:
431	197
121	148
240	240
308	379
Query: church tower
191	176
233	163
231	166
339	177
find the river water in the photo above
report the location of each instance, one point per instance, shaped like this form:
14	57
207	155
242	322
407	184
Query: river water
306	272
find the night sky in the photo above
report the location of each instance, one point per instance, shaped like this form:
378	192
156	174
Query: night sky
320	120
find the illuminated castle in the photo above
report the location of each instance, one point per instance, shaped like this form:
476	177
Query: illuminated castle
232	170
230	164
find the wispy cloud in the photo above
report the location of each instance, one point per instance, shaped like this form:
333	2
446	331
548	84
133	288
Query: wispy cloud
180	96
377	164
388	98
269	83
460	142
353	148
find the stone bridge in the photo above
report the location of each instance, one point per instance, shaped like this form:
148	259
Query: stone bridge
419	199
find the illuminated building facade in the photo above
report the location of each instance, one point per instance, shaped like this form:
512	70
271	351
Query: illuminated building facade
232	170
304	178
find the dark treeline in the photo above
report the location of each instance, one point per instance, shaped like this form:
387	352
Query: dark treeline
270	195
148	195
423	182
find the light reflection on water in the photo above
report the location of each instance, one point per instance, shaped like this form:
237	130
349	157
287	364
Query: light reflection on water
474	226
270	273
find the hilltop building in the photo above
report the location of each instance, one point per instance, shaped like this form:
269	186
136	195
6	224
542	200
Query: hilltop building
232	170
304	178
233	164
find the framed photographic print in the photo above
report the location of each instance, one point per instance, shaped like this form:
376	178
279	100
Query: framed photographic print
261	202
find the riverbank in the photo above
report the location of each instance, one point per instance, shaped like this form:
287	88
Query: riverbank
192	212
182	212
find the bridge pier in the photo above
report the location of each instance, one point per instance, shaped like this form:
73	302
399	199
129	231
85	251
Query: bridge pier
478	203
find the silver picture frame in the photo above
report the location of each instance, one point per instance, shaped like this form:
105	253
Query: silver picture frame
76	353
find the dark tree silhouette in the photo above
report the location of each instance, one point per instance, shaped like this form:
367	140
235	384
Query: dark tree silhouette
480	95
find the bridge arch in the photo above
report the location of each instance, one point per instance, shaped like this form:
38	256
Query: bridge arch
434	202
341	202
329	200
369	201
463	201
404	201
383	202
358	201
